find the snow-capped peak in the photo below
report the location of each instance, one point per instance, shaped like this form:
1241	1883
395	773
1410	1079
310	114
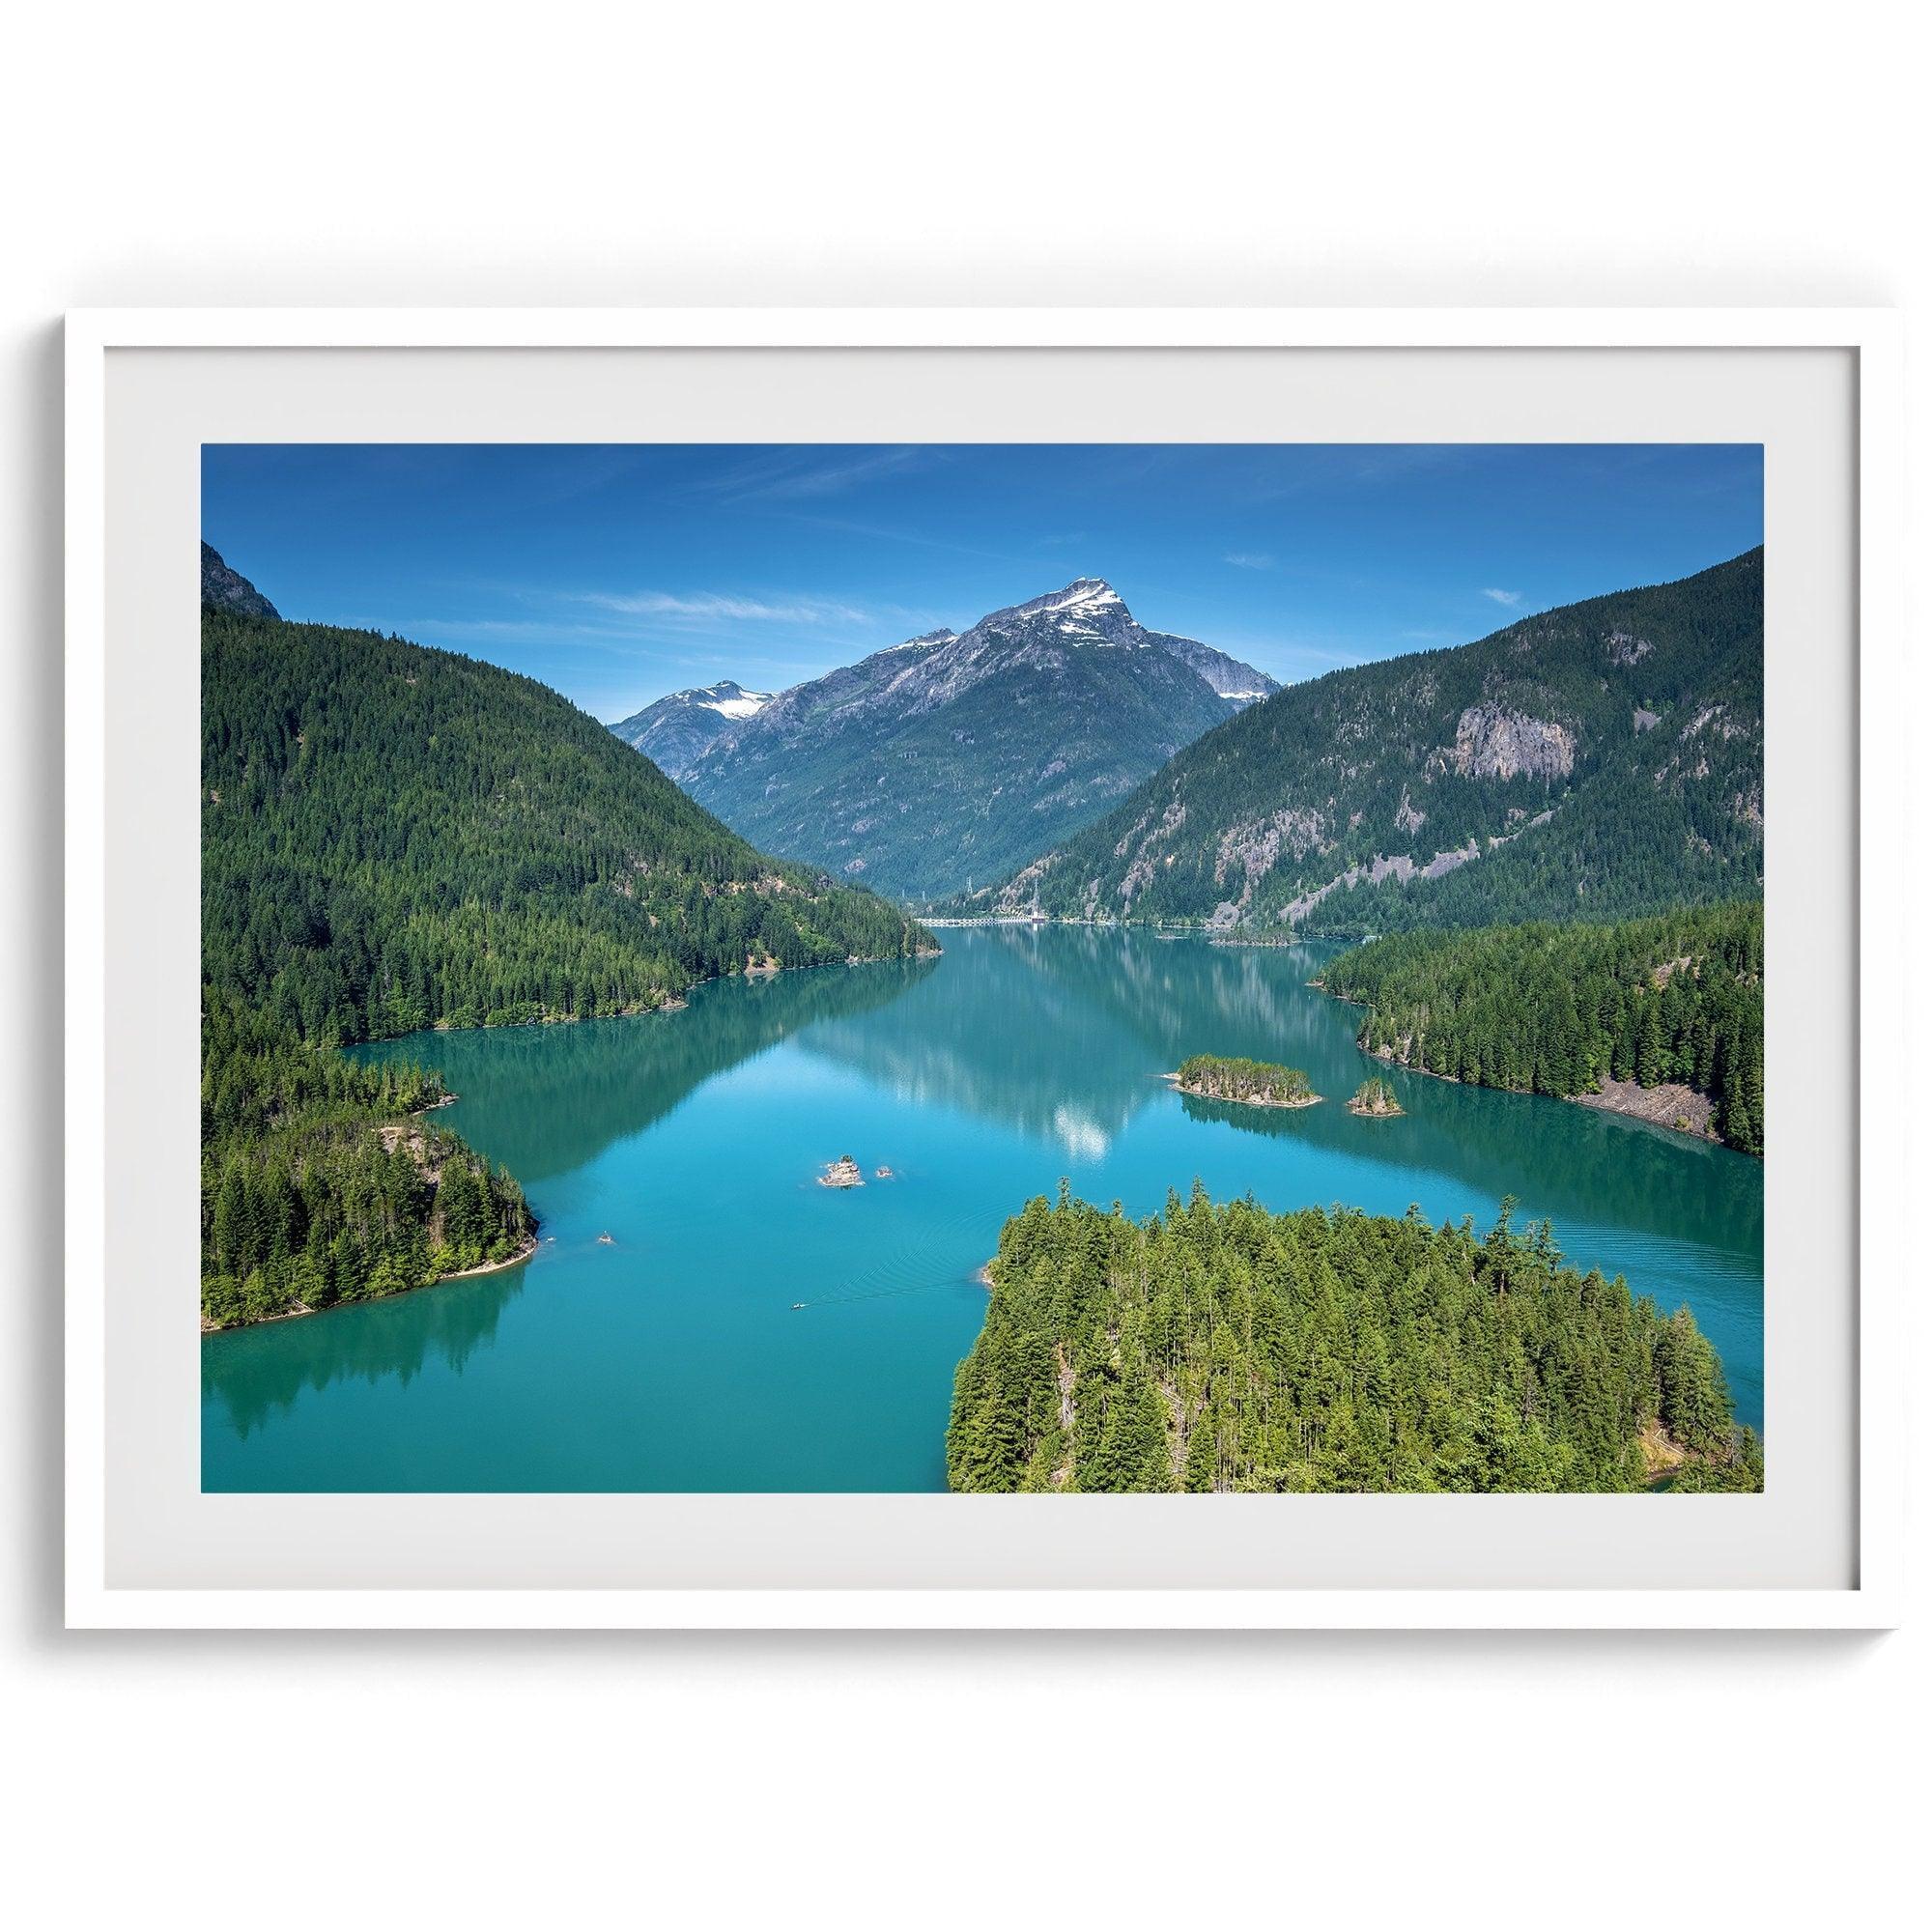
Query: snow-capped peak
1086	603
1085	596
730	699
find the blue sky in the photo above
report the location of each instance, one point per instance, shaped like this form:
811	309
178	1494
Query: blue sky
618	573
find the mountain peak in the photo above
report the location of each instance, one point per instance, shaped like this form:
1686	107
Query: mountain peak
727	698
678	730
1088	605
946	758
1090	613
1094	591
226	590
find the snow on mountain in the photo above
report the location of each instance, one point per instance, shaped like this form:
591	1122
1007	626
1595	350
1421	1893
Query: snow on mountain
678	730
730	701
936	761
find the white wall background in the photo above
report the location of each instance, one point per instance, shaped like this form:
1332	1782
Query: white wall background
845	153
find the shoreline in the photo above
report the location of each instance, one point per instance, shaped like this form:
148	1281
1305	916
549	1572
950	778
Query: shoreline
1660	1106
673	1004
1623	1097
1161	928
1664	1106
1231	1100
525	1251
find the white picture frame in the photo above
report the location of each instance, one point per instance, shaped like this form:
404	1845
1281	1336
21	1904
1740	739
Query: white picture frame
1871	1597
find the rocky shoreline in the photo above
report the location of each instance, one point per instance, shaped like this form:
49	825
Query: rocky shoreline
1180	1086
1680	1109
1676	1108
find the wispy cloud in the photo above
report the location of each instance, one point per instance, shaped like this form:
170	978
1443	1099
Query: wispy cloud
1509	599
787	475
1249	559
725	627
500	631
705	607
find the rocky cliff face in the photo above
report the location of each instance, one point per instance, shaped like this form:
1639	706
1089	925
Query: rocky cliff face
1492	743
225	589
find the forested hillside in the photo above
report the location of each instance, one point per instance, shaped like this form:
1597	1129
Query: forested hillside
1599	760
1225	1348
1558	1010
395	837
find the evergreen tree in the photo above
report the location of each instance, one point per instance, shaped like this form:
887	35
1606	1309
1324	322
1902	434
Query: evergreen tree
1549	1009
1339	1351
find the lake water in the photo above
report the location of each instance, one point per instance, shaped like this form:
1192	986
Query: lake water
672	1356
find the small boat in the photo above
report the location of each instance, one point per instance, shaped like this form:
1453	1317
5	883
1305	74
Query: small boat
883	1173
608	1240
798	1305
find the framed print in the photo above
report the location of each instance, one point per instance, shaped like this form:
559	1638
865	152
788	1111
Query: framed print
984	969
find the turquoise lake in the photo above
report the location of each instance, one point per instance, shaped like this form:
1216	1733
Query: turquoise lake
671	1357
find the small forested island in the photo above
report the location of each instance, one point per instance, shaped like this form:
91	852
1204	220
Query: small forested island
1253	1082
1375	1100
1660	1017
1221	1348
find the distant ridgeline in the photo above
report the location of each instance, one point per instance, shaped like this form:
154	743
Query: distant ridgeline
395	837
1560	1008
1224	1348
1598	760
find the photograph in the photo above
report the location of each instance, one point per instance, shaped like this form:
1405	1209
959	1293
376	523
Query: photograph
909	907
1053	968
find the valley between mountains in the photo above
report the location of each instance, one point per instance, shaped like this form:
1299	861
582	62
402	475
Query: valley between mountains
1058	760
